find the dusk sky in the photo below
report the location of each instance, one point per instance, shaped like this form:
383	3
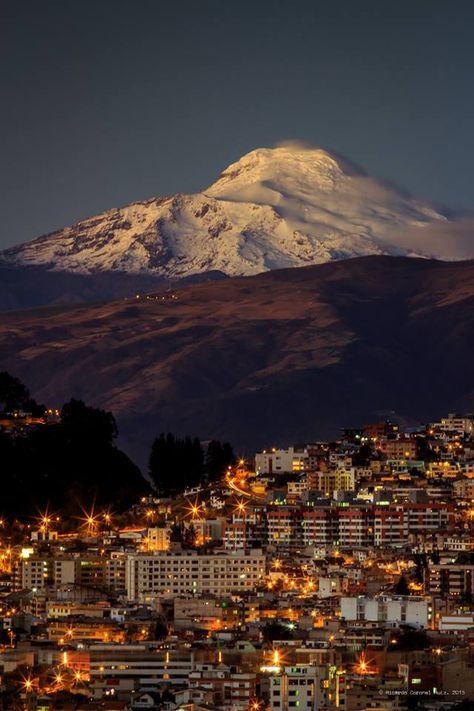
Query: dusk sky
109	101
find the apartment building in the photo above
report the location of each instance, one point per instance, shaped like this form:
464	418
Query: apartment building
37	573
167	574
450	580
306	687
422	518
236	689
454	425
121	669
390	527
235	536
275	461
284	526
206	613
403	447
355	527
158	538
464	488
387	610
319	527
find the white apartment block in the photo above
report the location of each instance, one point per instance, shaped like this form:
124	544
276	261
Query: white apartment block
462	425
340	461
209	529
121	668
167	574
456	623
278	461
329	587
37	573
236	536
231	689
387	610
34	574
64	571
450	579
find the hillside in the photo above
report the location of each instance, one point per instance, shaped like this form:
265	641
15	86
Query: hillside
291	354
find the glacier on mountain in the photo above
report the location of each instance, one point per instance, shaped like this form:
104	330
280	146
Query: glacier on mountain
277	207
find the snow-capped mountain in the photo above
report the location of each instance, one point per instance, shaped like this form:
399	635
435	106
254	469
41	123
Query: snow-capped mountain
276	207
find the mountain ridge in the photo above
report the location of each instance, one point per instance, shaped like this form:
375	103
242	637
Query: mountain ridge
261	360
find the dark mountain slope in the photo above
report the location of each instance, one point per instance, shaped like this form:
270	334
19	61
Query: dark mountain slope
282	356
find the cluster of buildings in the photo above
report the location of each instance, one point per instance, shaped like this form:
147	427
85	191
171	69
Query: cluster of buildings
334	575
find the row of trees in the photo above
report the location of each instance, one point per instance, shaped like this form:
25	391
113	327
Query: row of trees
77	462
176	463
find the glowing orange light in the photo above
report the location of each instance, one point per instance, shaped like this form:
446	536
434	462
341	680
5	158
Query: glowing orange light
90	521
363	665
28	684
194	509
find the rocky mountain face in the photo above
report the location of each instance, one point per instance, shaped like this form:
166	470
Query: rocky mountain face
288	206
261	360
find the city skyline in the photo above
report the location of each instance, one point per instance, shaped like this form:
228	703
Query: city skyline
236	372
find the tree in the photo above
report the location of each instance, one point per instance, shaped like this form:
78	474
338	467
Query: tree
421	562
219	456
67	465
274	630
177	533
401	588
88	425
161	630
363	455
413	639
176	463
425	451
190	536
14	395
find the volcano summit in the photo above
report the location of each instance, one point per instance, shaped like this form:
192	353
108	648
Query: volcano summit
287	206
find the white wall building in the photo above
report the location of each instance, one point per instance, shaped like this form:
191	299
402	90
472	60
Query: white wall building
387	610
462	425
456	623
278	461
167	574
